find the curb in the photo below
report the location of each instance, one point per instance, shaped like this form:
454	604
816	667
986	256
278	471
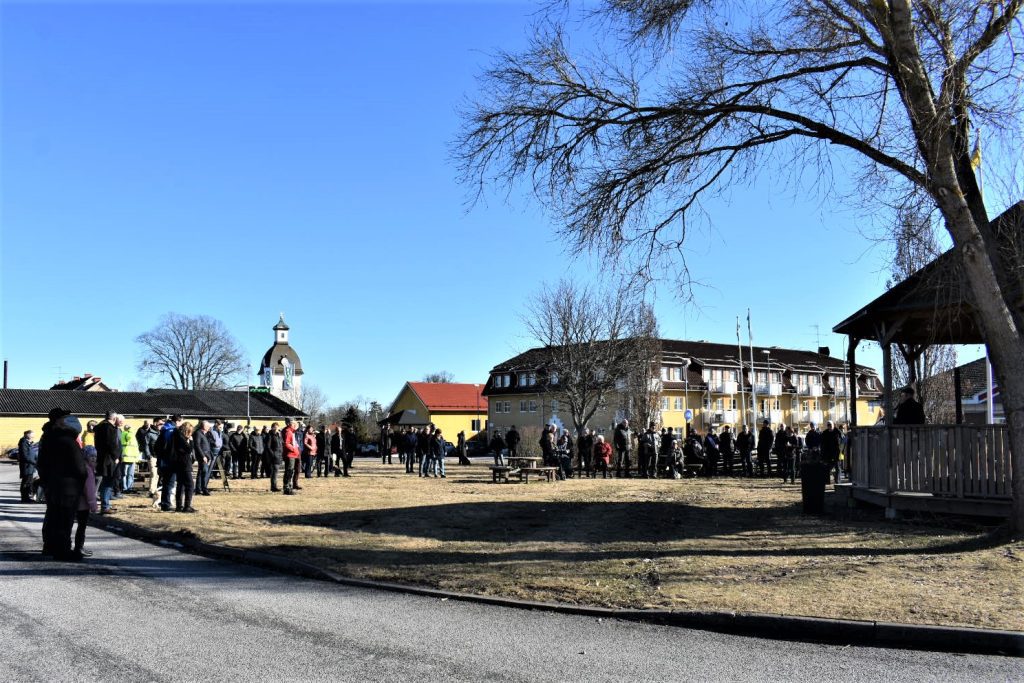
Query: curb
771	626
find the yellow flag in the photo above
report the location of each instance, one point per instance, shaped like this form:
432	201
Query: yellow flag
976	153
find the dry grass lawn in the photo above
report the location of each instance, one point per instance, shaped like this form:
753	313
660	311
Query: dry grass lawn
727	544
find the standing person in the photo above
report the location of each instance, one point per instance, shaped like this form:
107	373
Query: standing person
62	471
422	445
668	445
411	443
463	449
338	452
497	447
167	460
779	448
349	442
238	450
202	445
152	436
273	455
623	439
437	453
765	441
584	452
309	453
831	441
119	475
745	445
566	450
790	444
145	451
384	443
108	458
185	447
129	456
712	451
218	451
86	505
909	411
727	447
647	452
264	461
602	456
290	443
255	445
547	446
28	458
512	441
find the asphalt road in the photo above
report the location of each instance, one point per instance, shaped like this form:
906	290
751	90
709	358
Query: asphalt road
141	612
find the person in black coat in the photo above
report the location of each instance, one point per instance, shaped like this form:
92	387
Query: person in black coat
27	459
323	451
203	456
412	441
727	446
584	453
512	441
909	411
273	455
745	446
765	441
183	449
831	441
62	471
108	457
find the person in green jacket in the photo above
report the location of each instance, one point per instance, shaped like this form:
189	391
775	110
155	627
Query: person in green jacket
129	456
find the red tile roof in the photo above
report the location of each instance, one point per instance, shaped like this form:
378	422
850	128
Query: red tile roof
437	396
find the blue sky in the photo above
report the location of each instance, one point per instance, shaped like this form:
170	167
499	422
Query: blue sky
239	160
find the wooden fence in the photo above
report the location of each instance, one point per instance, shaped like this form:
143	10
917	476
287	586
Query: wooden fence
961	461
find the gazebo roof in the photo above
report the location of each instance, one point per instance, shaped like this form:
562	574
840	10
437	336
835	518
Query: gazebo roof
404	418
931	306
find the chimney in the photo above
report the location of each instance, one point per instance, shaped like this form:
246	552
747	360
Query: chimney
87	375
824	351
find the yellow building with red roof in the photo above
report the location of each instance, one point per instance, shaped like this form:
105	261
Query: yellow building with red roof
451	407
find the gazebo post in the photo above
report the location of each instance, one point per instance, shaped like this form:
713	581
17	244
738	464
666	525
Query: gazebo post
958	396
851	360
887	381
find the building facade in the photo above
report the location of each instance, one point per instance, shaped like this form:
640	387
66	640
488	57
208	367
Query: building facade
452	407
700	383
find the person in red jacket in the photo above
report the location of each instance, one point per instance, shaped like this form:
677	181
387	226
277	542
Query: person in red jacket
291	456
602	456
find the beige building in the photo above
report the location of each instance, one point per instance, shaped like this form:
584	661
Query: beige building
705	379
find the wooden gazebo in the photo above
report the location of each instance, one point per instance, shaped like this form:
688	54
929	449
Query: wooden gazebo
958	468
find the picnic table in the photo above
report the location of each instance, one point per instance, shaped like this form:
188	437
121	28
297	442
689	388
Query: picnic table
522	466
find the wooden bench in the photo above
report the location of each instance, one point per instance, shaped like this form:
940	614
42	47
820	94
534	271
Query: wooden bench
547	472
501	473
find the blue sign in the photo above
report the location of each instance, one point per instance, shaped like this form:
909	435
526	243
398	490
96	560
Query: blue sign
688	414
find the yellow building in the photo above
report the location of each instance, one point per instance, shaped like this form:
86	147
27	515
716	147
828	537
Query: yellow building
24	409
709	381
452	408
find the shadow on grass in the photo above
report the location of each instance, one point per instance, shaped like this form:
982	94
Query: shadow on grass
600	526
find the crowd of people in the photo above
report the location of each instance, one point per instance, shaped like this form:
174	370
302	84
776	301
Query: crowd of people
669	453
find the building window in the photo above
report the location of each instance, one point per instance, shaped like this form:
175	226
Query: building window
731	403
533	406
523	406
508	406
678	403
553	377
666	373
474	425
664	402
554	407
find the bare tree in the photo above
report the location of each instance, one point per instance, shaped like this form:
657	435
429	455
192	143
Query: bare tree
136	385
191	352
313	401
442	377
592	341
643	383
925	367
623	144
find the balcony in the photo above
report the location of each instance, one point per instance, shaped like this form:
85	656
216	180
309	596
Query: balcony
724	416
772	416
772	389
812	390
814	416
724	387
842	391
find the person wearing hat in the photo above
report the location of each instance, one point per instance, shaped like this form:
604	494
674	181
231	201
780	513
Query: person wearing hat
62	471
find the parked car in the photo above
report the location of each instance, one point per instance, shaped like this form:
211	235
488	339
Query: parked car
368	449
12	454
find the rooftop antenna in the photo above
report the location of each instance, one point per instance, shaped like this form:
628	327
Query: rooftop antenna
60	373
817	335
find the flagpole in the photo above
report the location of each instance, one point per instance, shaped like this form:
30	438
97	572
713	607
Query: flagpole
743	392
753	382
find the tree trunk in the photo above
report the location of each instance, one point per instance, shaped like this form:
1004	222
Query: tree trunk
1001	332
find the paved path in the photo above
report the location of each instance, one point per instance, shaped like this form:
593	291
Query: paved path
140	612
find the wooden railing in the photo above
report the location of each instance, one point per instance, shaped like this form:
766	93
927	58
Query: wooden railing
962	461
